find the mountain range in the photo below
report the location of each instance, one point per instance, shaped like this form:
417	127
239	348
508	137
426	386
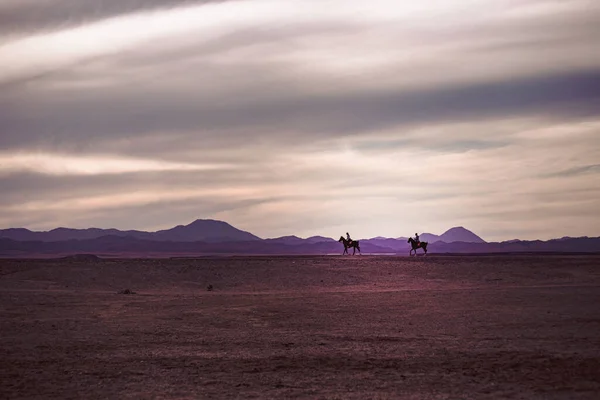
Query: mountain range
212	231
206	236
201	230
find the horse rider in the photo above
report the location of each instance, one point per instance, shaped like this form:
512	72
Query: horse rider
417	239
348	237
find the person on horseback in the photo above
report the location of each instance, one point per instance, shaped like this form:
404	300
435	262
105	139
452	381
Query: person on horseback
416	244
349	243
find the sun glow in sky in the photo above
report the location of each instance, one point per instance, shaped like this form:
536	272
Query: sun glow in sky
380	118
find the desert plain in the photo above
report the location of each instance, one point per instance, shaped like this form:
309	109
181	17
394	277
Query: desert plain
322	327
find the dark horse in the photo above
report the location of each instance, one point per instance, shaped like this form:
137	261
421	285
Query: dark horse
347	244
415	246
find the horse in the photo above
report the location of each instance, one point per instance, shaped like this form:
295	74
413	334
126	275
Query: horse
347	244
415	246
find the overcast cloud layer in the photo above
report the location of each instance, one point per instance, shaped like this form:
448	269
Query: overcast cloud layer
302	117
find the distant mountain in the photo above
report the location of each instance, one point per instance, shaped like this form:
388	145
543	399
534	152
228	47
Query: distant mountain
59	234
207	230
393	244
291	240
131	247
569	238
460	234
21	234
456	234
319	239
206	236
429	237
204	230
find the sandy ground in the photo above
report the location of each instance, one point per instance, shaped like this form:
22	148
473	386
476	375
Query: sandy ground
518	327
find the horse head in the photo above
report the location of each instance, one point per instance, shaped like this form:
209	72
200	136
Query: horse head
410	240
342	239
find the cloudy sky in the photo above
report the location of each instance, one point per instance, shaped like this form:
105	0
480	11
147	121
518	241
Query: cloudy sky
380	117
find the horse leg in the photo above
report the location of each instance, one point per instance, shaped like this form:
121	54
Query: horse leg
354	250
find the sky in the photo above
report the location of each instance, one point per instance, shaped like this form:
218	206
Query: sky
304	117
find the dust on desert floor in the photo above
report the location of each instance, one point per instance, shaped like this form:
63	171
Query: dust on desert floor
302	327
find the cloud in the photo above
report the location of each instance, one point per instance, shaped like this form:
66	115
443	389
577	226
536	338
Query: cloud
302	117
576	171
19	17
141	114
56	164
382	192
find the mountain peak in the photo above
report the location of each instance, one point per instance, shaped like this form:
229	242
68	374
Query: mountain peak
205	230
460	234
456	229
290	239
320	239
201	221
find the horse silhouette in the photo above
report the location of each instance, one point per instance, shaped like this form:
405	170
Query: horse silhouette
415	246
350	244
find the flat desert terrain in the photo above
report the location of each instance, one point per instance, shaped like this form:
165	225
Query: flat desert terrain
328	327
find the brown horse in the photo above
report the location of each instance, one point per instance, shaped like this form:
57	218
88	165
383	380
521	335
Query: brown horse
350	244
415	246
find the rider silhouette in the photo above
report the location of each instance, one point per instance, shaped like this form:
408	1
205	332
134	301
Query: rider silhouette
417	239
348	237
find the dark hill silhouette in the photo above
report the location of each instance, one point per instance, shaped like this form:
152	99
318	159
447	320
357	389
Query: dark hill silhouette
429	237
393	244
209	230
128	246
21	234
320	239
291	240
456	234
60	234
211	236
460	234
206	230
